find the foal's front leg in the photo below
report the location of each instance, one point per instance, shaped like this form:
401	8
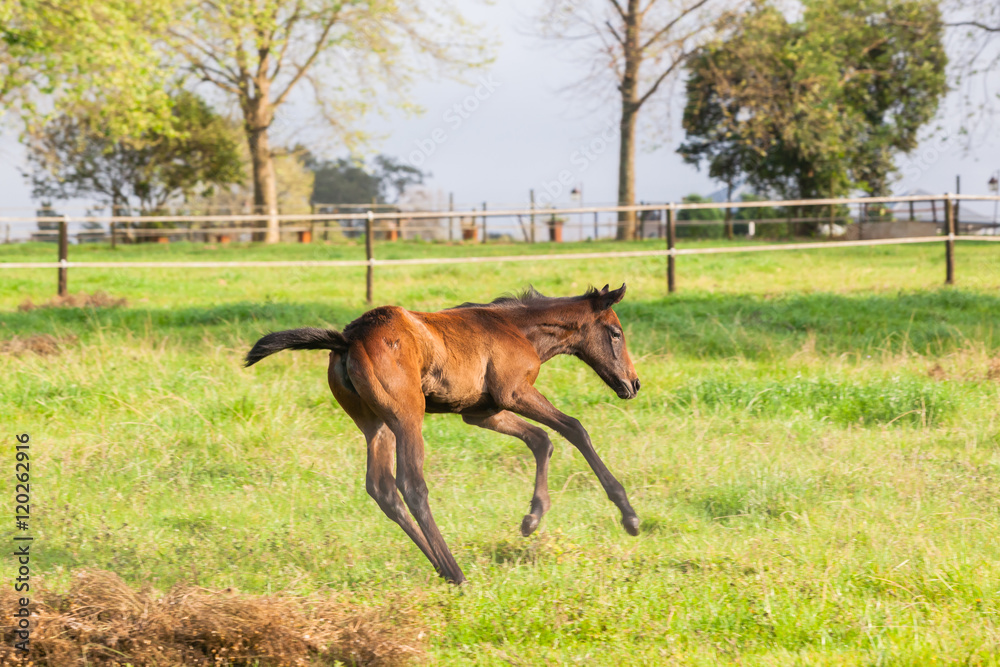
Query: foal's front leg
530	403
538	442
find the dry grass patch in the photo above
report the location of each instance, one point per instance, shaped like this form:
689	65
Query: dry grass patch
43	344
103	622
937	372
81	300
993	370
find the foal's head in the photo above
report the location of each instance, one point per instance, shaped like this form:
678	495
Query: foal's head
602	343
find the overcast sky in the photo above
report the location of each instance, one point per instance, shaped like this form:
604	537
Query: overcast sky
522	131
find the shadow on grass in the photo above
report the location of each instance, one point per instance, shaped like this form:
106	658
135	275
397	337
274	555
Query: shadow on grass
700	326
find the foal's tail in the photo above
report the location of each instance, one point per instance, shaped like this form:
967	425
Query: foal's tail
308	338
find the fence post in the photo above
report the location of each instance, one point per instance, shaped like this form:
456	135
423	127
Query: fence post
369	254
949	244
671	258
113	234
728	216
273	232
451	218
484	223
531	194
958	191
63	252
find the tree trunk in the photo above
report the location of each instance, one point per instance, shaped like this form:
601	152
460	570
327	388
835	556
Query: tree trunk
258	114
265	188
626	175
630	110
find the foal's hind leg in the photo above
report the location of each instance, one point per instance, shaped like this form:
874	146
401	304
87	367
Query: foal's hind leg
540	445
379	481
389	383
411	484
381	486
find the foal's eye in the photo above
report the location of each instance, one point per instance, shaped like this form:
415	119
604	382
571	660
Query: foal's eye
616	334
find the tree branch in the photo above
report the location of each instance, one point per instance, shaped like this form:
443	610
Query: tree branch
974	24
289	26
614	32
660	79
621	12
212	75
642	14
222	68
667	28
317	49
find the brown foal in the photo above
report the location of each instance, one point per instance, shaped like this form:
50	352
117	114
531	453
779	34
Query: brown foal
391	365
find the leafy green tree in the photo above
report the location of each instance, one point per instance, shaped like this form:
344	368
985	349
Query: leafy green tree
820	106
342	181
710	215
60	54
703	214
349	181
758	212
395	176
75	155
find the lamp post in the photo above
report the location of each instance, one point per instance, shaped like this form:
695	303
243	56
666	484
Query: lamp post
994	187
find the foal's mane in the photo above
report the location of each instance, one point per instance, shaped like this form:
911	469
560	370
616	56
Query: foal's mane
528	298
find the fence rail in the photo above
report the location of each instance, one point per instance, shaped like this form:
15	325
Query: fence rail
331	263
669	221
481	213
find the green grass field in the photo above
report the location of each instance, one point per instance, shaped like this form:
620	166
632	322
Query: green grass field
815	453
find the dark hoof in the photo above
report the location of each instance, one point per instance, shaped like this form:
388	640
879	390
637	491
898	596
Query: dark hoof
631	524
528	524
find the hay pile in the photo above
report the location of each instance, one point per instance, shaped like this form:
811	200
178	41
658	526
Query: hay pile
43	344
81	300
103	622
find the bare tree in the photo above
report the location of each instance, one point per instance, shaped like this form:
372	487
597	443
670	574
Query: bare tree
634	47
974	54
258	53
983	16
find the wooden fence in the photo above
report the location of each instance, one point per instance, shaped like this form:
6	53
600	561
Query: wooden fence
670	251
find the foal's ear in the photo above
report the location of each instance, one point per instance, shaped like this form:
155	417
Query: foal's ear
605	299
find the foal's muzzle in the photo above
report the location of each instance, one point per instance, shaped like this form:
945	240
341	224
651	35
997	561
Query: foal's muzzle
627	389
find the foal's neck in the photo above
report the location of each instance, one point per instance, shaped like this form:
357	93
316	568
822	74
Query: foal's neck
551	331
